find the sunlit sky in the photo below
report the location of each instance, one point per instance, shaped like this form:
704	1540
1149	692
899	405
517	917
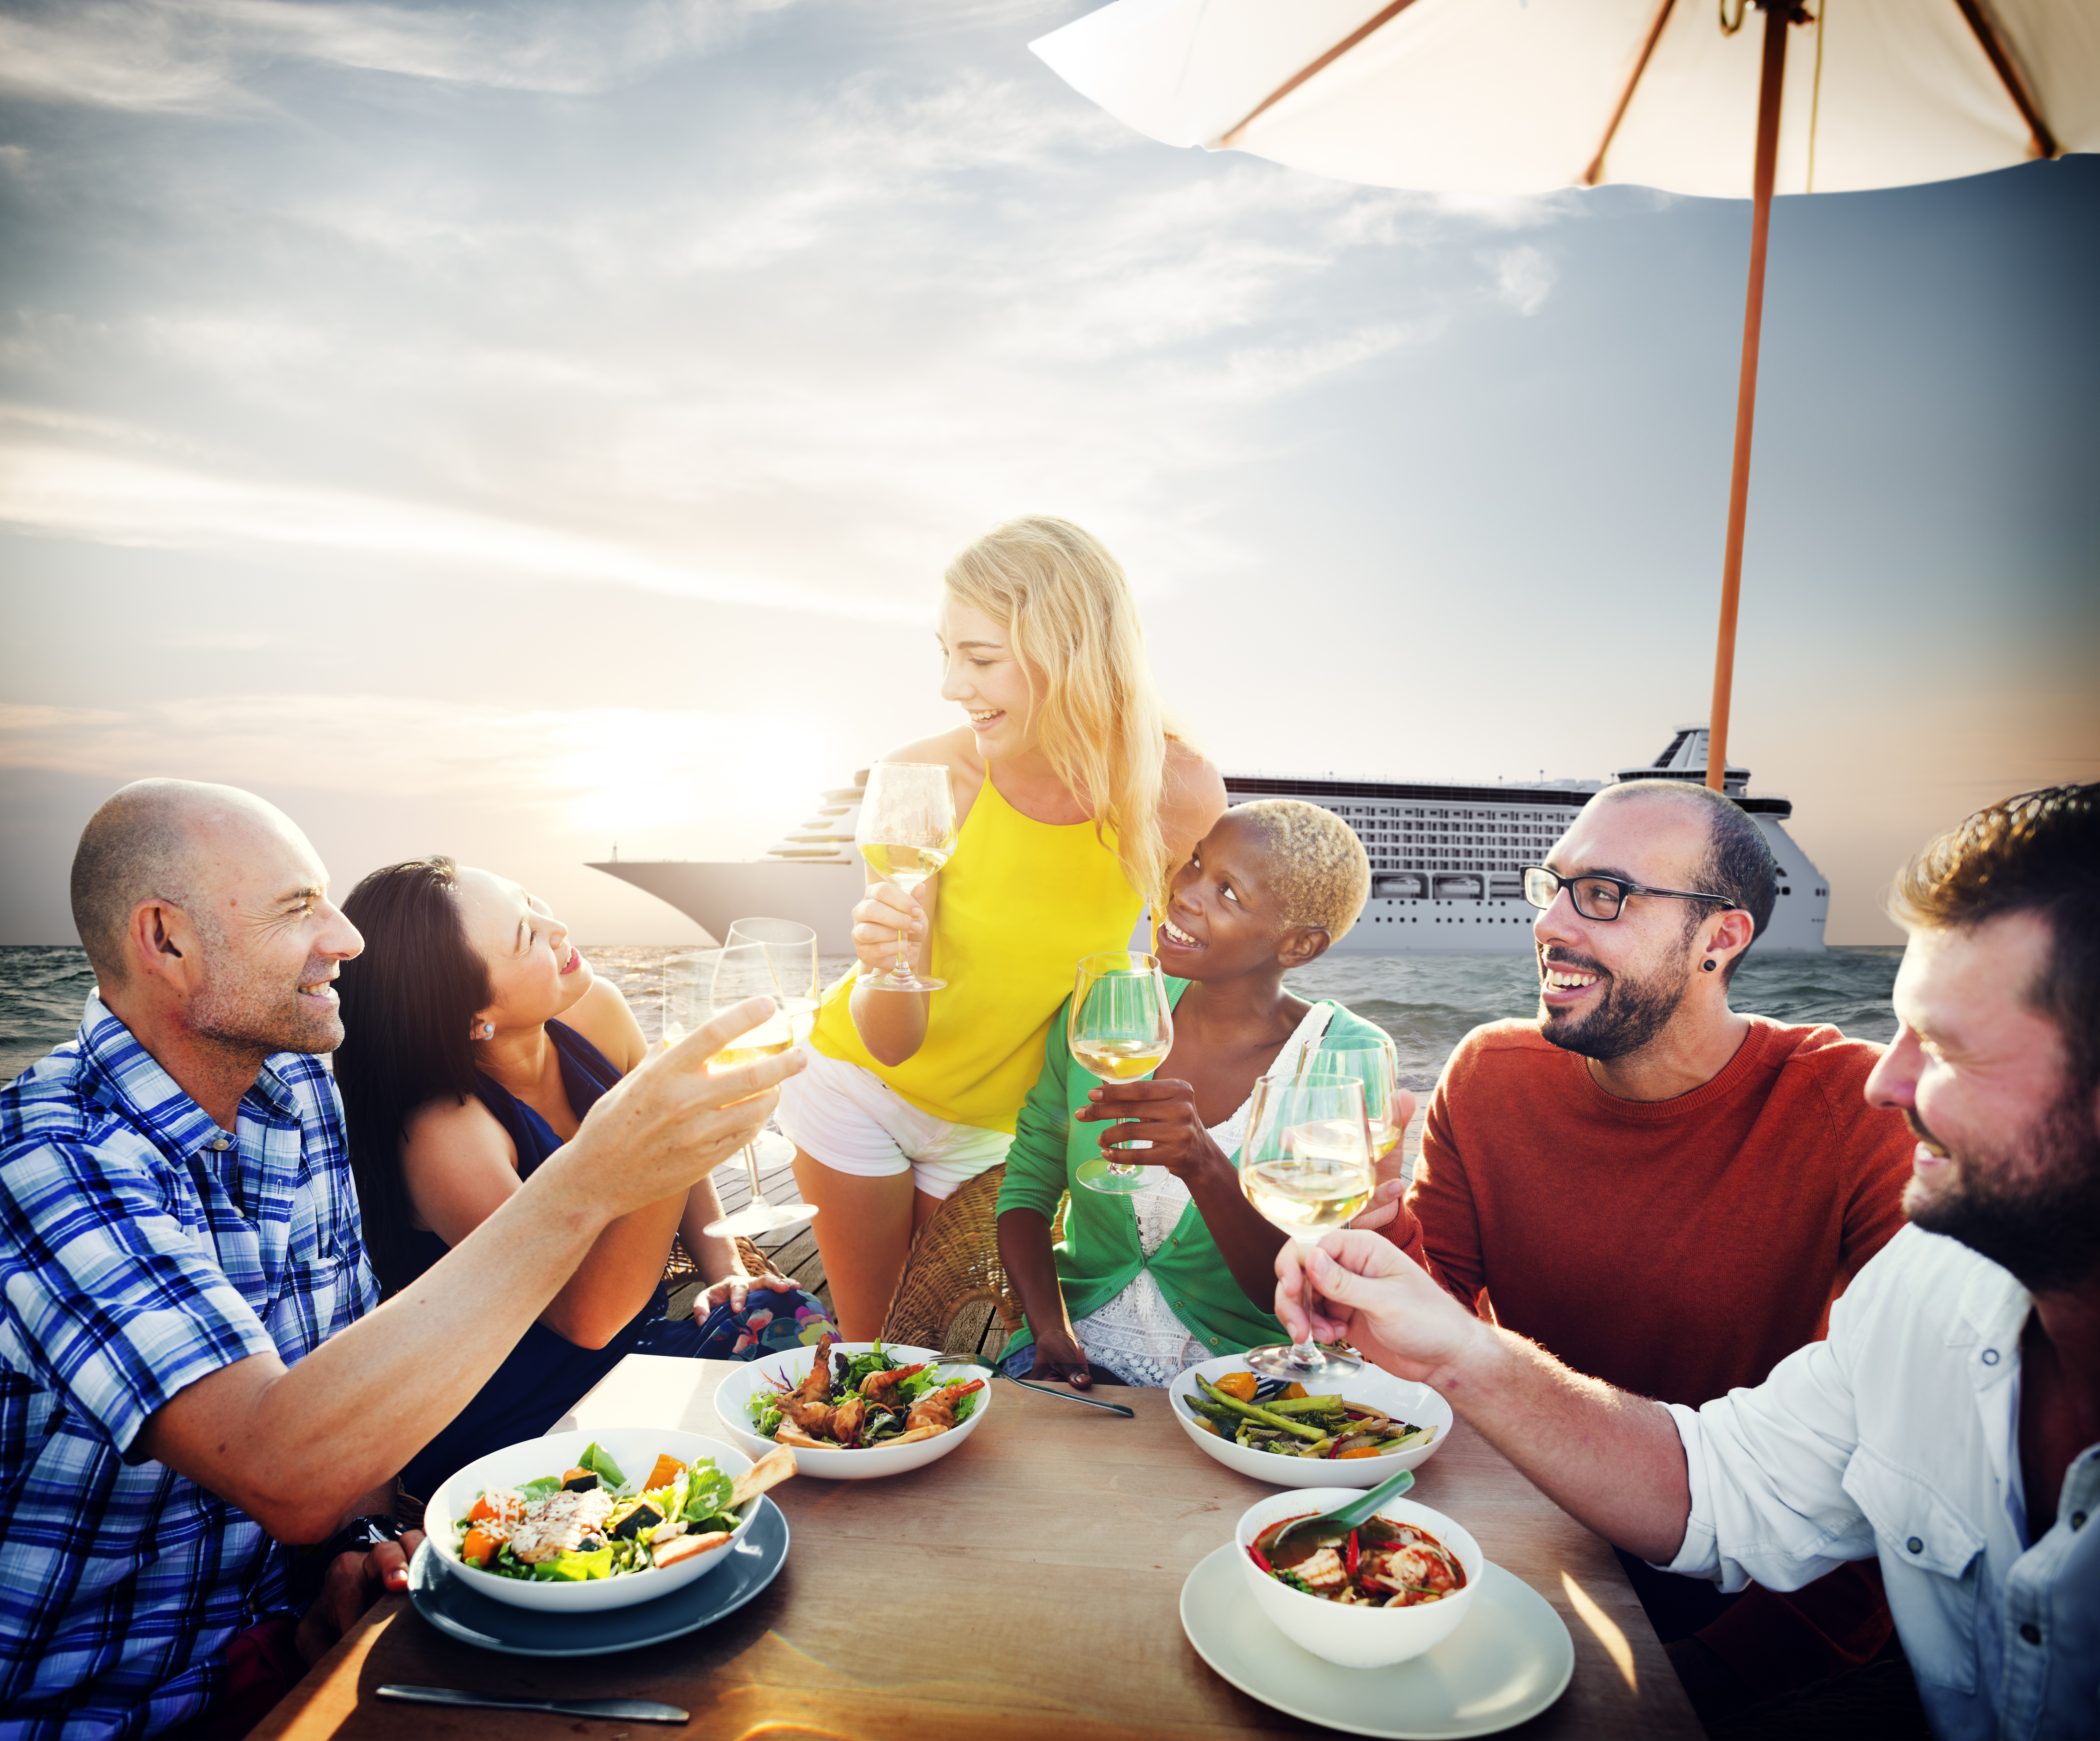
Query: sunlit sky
511	432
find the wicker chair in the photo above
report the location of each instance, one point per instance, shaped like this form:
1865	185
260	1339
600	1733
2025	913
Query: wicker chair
954	1295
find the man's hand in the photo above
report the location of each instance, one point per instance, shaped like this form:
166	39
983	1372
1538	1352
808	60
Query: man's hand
736	1288
352	1583
1384	1206
671	1120
1361	1288
1058	1355
1160	1112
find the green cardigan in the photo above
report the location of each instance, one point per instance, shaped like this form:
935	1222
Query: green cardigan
1100	1252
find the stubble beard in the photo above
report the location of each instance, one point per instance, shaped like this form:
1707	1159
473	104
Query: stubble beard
247	1008
2040	1221
1629	1015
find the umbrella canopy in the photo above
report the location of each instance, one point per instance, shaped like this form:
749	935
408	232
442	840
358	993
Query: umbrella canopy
1519	96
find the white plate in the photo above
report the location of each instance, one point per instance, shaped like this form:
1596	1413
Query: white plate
1401	1397
634	1449
1509	1660
732	1397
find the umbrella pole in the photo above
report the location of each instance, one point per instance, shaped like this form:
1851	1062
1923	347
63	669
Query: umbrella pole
1771	76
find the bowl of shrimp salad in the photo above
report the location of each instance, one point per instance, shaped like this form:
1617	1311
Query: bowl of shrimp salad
579	1522
854	1410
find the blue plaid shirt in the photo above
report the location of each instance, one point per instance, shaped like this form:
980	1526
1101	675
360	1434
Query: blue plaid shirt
141	1249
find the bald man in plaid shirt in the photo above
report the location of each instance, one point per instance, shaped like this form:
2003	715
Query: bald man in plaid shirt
194	1368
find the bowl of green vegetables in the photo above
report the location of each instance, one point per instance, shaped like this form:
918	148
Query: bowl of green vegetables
1351	1434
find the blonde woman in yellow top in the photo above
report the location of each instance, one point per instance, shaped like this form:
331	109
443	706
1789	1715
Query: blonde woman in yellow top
1074	802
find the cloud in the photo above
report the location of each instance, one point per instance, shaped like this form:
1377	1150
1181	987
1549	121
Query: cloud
1524	278
591	768
58	491
201	56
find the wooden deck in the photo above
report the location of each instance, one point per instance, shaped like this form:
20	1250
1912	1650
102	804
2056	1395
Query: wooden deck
976	1330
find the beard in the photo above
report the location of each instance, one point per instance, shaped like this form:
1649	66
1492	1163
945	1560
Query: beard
2037	1214
250	1007
1630	1013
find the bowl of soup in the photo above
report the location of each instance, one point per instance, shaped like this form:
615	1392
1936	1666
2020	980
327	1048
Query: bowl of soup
1400	1587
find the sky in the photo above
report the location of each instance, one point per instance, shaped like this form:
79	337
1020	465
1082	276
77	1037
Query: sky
511	432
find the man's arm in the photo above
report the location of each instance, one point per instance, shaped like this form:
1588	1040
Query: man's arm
294	1448
1613	1461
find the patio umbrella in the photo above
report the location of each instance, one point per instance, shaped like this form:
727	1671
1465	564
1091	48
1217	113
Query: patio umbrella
1518	96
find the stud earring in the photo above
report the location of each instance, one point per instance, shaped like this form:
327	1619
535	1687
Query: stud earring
1711	966
487	1031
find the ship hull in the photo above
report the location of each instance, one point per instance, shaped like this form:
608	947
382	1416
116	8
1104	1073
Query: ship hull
1460	913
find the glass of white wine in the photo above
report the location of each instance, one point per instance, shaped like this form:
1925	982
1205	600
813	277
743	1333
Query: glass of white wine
1120	1026
753	968
906	832
1307	1167
1376	1064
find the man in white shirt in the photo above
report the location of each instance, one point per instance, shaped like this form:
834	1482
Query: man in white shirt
1950	1423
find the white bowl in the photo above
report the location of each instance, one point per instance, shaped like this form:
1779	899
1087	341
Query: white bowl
1401	1397
732	1401
1352	1636
635	1450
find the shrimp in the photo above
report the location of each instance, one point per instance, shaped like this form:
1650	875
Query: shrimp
816	1387
934	1413
877	1386
810	1406
846	1419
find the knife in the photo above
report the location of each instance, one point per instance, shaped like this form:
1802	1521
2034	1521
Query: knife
1073	1396
612	1710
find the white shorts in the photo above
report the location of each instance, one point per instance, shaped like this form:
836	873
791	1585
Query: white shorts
853	1121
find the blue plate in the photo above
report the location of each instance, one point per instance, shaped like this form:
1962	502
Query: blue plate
441	1597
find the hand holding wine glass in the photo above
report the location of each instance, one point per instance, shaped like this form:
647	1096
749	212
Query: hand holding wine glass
1306	1166
906	832
774	958
1120	1026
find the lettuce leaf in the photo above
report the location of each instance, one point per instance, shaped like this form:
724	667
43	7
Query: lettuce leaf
540	1489
707	1493
606	1469
576	1568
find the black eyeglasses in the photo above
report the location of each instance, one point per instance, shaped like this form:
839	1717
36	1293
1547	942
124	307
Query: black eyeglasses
1602	898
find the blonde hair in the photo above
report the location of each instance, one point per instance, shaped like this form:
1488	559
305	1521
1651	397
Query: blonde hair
1318	870
1068	608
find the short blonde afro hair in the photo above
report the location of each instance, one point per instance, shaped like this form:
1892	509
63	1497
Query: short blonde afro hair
1320	873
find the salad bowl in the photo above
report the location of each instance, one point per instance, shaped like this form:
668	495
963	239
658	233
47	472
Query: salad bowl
760	1380
1350	1635
634	1450
1401	1397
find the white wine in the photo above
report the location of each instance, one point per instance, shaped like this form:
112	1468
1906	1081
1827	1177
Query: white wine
1323	1178
1303	1200
907	867
745	1052
1385	1138
1120	1060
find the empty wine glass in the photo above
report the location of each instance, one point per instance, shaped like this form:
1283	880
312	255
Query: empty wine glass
1306	1166
1120	1026
906	832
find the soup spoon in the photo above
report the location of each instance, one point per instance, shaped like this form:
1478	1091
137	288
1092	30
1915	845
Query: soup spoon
1340	1522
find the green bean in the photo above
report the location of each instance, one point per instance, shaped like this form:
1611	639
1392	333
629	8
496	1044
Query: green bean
1249	1412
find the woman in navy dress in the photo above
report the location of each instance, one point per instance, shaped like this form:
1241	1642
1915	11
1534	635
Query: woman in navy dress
476	1040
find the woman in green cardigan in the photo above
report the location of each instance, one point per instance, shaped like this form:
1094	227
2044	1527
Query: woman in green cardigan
1144	1285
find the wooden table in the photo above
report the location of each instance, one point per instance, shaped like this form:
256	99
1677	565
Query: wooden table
1026	1585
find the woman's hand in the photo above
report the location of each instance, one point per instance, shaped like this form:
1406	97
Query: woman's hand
736	1288
885	914
1058	1355
1162	1112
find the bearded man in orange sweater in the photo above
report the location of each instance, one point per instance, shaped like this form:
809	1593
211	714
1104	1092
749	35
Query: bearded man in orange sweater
1663	1192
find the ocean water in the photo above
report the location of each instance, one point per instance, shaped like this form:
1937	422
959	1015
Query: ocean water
1427	1003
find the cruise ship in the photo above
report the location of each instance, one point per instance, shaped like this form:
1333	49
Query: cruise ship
1446	860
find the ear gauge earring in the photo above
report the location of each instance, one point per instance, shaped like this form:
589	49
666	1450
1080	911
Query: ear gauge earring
1711	965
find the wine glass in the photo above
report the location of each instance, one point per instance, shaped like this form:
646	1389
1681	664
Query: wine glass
753	968
1119	1026
1306	1166
1374	1063
906	832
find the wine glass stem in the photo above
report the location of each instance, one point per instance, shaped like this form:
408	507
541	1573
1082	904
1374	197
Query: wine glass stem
751	1166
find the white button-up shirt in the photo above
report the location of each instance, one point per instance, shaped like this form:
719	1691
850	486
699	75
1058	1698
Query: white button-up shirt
1898	1437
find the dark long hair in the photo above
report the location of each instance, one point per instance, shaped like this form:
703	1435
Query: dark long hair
408	1002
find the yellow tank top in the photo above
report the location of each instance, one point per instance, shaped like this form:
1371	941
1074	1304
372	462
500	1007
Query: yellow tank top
1020	902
